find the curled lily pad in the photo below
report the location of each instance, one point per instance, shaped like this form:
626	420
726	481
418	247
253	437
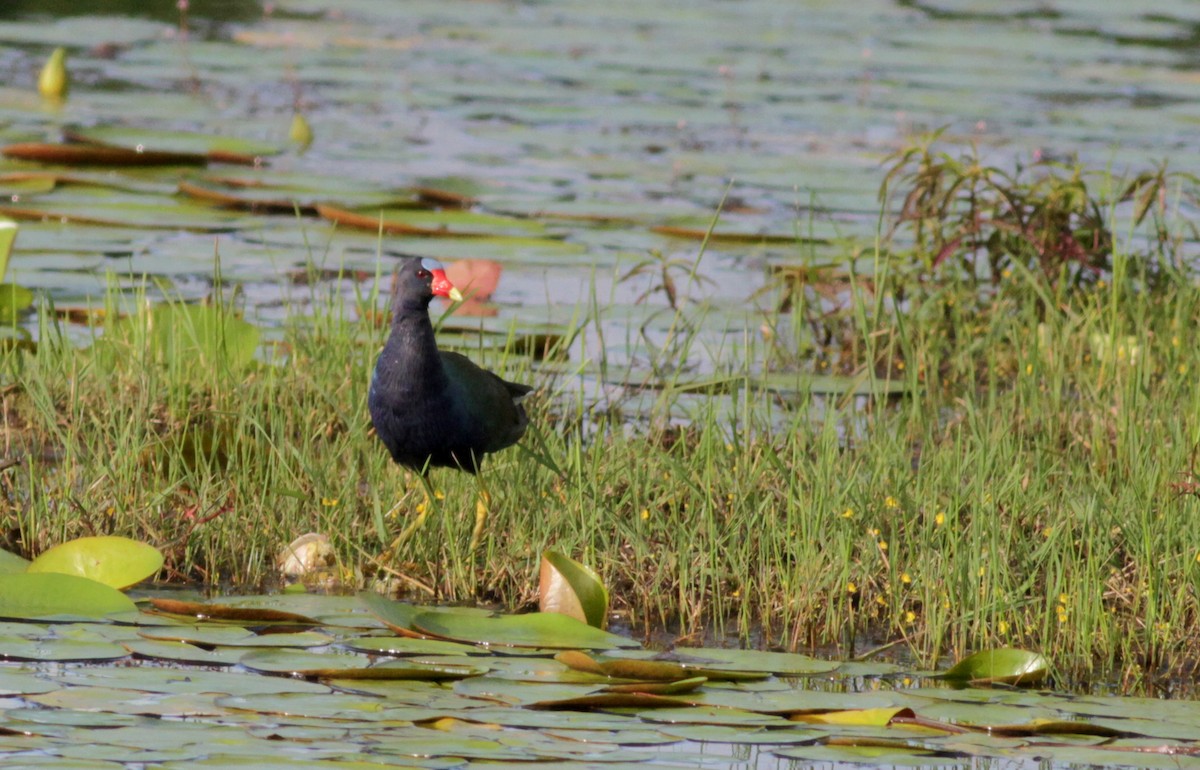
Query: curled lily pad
1005	665
570	588
118	562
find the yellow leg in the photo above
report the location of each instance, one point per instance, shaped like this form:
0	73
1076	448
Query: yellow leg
482	503
422	514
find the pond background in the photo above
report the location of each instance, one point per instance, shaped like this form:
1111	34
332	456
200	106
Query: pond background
778	113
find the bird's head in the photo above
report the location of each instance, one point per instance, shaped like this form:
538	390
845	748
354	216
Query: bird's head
421	279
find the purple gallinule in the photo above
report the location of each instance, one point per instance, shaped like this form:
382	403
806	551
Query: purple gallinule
433	408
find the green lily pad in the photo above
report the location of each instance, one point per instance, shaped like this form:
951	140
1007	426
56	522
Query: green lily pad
10	563
14	300
329	665
400	645
183	652
220	611
8	236
56	649
779	663
52	594
233	636
118	562
186	337
213	147
538	629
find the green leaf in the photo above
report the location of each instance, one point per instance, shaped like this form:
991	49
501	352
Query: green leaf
8	236
148	140
50	594
1006	665
570	588
538	629
14	300
11	564
191	338
117	562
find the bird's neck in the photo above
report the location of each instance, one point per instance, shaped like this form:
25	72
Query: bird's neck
410	357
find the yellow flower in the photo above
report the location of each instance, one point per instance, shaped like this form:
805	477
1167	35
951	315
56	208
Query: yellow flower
939	519
983	570
645	513
882	545
848	513
890	502
905	578
851	588
1029	368
872	532
329	502
1064	599
910	617
1003	626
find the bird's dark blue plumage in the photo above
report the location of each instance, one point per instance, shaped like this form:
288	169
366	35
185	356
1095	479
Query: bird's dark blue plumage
435	408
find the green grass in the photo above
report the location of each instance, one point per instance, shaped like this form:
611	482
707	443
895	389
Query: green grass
1033	490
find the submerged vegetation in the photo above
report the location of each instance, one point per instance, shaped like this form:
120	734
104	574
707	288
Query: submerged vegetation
1017	469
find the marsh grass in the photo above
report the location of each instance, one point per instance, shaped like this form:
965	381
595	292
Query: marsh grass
1037	486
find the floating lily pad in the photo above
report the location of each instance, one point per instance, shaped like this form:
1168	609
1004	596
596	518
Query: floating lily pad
220	149
330	665
538	629
51	594
11	563
217	611
234	636
431	224
399	645
651	670
118	562
754	661
55	649
183	652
